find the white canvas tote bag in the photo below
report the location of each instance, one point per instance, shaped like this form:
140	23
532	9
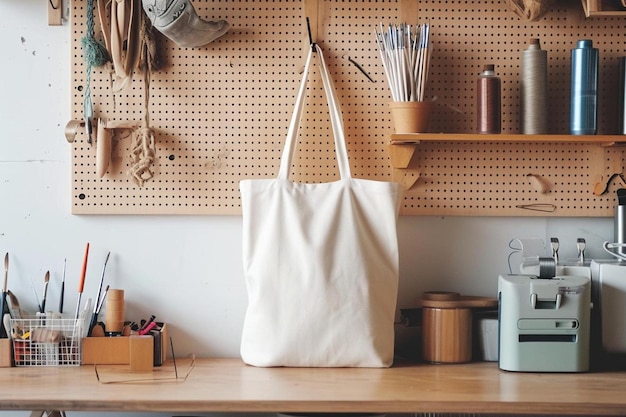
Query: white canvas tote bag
320	261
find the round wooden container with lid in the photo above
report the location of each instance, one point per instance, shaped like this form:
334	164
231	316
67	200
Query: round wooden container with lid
447	325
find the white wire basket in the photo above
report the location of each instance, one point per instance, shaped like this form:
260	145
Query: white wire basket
47	341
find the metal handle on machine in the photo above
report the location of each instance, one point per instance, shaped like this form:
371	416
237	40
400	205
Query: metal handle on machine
538	304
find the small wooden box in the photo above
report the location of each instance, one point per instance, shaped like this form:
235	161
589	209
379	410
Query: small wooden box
139	360
6	353
117	350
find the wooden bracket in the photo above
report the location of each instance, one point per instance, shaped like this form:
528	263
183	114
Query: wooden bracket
406	177
401	154
608	168
55	12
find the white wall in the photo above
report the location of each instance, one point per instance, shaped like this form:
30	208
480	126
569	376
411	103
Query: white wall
184	269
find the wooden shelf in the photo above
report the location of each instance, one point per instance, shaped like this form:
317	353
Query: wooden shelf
604	140
603	8
403	146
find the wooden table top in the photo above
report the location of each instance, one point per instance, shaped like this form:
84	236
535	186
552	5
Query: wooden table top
228	385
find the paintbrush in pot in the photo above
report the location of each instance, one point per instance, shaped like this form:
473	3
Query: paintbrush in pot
32	287
101	303
46	280
62	296
15	309
6	272
4	308
94	315
81	283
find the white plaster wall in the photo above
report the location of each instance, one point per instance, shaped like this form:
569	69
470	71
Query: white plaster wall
184	269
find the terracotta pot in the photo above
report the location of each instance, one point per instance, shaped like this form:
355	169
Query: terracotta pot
410	116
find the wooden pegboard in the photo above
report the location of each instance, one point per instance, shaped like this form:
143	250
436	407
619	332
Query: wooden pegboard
221	112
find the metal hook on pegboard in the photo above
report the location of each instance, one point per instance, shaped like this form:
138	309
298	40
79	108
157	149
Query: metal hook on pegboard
312	14
308	28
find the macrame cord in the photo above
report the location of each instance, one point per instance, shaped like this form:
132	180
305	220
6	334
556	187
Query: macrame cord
143	147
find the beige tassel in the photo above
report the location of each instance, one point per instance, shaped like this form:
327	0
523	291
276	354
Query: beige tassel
143	155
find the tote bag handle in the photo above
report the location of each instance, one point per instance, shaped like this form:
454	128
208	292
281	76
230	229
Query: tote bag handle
335	120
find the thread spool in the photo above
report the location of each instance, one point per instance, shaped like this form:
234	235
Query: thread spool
547	268
534	90
545	265
584	89
488	101
114	314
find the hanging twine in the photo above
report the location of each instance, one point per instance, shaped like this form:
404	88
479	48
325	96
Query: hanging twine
150	58
531	10
94	54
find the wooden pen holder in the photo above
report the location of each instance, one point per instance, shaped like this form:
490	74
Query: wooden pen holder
6	353
127	350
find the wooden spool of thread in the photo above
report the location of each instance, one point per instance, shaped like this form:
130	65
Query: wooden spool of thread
114	315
